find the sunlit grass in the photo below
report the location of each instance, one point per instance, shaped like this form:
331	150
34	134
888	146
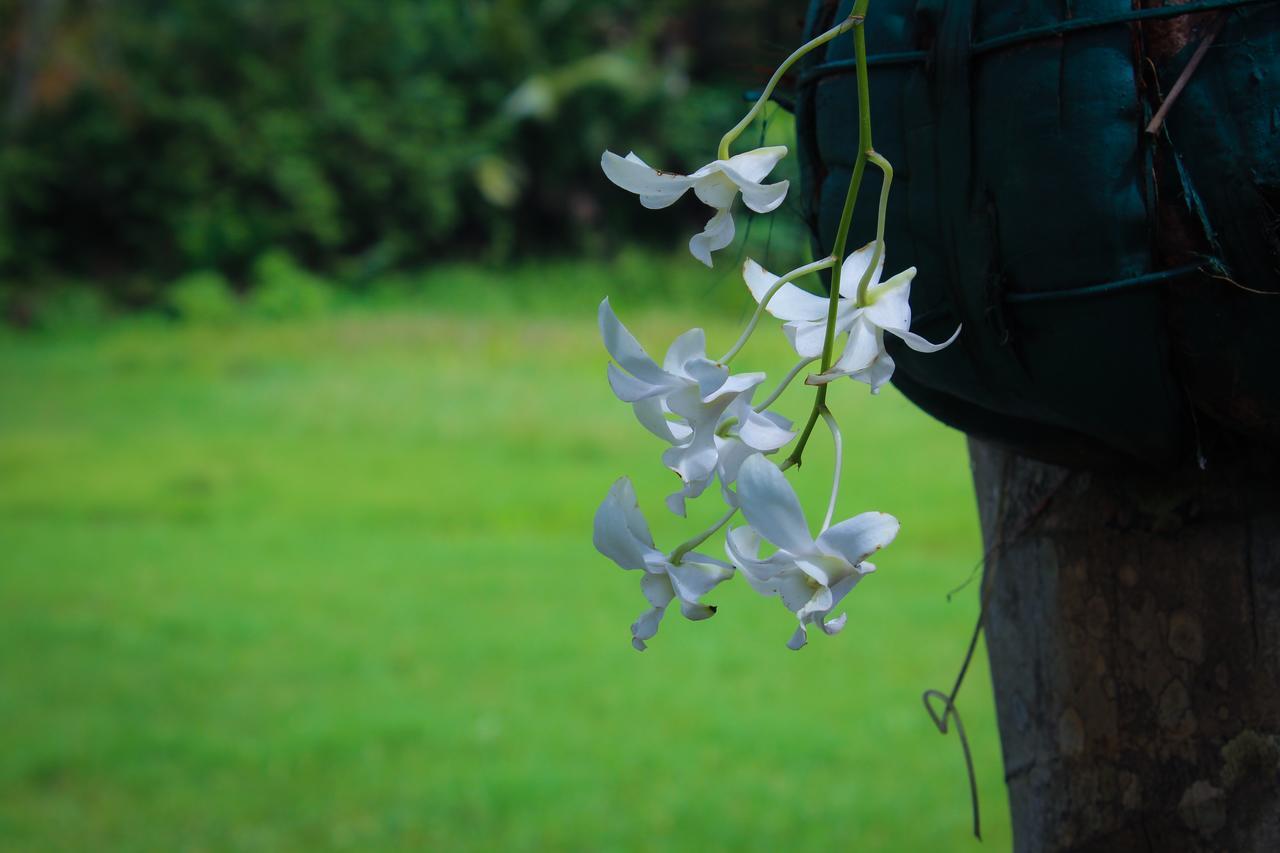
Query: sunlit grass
330	584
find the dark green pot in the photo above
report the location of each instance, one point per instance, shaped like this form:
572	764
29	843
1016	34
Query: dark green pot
1099	271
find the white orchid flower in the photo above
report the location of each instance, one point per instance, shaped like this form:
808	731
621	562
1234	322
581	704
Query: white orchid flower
737	433
622	535
811	576
693	404
716	184
888	310
686	370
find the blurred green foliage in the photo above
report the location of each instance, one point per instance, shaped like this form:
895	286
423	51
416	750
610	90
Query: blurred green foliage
147	140
284	290
203	297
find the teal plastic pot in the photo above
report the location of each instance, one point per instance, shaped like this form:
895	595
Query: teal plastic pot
1119	289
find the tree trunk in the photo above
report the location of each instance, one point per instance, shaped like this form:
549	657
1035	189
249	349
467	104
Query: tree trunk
1133	629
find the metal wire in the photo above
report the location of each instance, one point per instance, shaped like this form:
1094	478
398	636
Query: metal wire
1019	37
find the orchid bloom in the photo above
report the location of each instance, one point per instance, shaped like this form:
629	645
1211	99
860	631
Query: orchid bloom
711	449
811	576
716	184
622	535
888	309
743	432
693	404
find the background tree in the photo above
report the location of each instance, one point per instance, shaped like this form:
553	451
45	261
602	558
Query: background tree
1092	196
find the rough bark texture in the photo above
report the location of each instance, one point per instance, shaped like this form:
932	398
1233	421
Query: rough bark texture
1133	628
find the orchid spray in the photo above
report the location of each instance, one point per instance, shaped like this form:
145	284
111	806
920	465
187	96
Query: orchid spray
708	416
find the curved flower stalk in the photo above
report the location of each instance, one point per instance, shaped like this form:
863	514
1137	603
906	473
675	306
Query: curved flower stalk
810	576
693	404
887	309
716	184
622	534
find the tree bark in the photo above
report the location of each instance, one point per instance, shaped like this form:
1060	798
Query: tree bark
1133	629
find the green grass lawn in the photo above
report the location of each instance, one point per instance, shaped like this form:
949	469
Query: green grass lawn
330	584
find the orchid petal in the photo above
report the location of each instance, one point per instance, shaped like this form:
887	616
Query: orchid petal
656	189
645	627
697	612
834	626
718	234
715	190
690	345
878	374
630	506
860	350
821	568
755	165
628	389
732	453
818	604
709	375
796	591
762	198
855	267
846	584
831	627
889	305
695	461
875	374
657	589
692	489
790	302
651	415
777	420
619	530
687	403
764	433
807	338
658	592
743	547
696	576
625	349
799	639
735	385
771	507
919	344
859	537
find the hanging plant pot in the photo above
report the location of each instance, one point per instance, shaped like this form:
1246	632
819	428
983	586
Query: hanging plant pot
1116	265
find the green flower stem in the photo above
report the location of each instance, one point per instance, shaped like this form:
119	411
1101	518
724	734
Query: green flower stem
685	547
799	272
858	17
839	464
843	27
786	380
855	21
798	453
878	252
